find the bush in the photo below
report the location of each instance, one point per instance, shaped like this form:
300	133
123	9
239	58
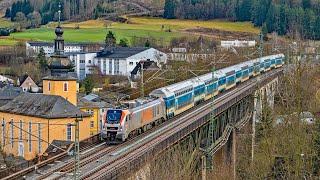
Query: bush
4	32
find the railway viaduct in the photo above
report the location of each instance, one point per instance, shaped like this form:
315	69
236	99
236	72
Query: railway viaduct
219	124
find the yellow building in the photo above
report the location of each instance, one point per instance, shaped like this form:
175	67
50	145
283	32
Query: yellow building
96	108
65	87
36	120
31	122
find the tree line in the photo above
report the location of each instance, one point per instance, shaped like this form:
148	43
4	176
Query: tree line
286	17
33	13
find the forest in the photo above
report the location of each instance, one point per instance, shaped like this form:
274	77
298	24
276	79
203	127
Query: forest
296	18
45	11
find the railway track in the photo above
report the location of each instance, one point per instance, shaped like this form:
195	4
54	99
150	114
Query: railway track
110	168
84	146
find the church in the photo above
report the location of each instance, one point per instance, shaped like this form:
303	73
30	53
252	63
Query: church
31	122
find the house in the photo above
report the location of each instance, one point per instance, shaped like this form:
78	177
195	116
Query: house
237	43
115	61
182	54
122	60
27	84
93	105
6	79
33	48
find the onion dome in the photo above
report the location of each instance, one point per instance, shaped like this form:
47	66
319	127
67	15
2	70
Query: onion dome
59	31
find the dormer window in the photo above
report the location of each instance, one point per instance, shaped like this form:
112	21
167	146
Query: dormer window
65	87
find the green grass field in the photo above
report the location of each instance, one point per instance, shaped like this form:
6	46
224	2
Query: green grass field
95	30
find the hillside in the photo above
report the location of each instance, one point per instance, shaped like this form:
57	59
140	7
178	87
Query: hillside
294	18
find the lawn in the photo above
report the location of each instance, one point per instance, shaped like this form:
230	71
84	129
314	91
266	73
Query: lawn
7	42
95	30
90	35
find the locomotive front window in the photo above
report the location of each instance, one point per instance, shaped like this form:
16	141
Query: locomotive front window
114	116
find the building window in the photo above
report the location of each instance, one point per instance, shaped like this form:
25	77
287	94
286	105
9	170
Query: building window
110	66
90	111
130	63
49	86
89	61
117	66
91	133
20	130
65	87
11	133
69	132
3	132
91	124
39	138
29	136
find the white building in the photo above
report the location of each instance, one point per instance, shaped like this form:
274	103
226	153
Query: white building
5	79
122	60
182	54
237	43
118	61
83	63
33	48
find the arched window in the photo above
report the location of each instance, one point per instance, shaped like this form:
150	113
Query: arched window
65	86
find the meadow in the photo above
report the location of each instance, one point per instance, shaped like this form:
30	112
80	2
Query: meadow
95	30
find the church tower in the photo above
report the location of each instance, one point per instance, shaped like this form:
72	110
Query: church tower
60	82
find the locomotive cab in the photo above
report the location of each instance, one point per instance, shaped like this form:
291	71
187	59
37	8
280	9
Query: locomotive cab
114	126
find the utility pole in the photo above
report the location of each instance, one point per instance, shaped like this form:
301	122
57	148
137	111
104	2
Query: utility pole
207	157
142	83
257	98
261	45
77	147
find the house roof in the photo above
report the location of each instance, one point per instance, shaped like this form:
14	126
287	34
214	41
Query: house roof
23	78
121	52
39	43
43	106
8	93
92	101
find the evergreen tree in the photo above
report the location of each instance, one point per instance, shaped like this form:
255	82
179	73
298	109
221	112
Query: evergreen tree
282	29
110	39
270	19
147	44
259	11
317	31
245	10
169	9
41	58
8	13
264	31
88	84
124	42
306	4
